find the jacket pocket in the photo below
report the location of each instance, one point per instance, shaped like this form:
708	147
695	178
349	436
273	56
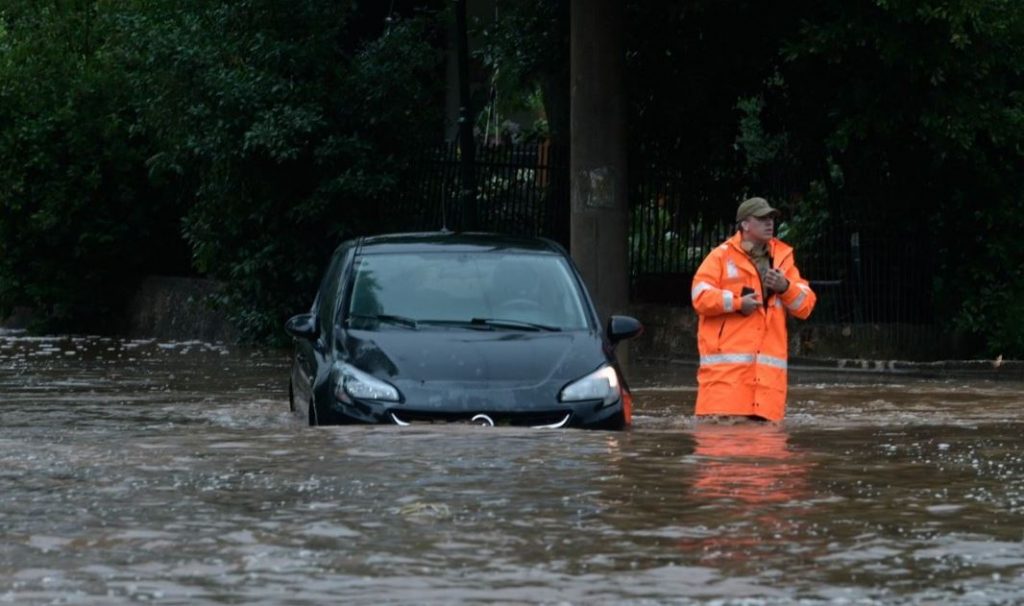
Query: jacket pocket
718	337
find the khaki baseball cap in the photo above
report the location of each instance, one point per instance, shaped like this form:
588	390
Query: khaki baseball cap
755	207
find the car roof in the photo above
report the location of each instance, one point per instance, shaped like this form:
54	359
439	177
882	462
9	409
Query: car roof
456	242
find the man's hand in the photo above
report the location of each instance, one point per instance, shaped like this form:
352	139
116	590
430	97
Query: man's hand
776	280
749	303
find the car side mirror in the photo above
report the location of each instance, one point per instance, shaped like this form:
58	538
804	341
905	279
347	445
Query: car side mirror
303	326
623	327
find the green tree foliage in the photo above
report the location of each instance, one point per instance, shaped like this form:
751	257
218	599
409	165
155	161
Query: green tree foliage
904	116
295	134
920	105
262	132
524	50
78	218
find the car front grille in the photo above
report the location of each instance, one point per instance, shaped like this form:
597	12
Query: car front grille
545	418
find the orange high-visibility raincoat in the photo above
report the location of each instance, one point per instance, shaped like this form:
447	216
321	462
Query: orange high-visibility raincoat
743	359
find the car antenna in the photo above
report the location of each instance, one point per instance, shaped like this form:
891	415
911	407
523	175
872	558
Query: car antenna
444	217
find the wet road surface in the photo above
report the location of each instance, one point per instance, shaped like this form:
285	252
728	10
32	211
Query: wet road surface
173	473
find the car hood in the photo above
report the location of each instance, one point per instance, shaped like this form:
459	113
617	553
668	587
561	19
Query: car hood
474	359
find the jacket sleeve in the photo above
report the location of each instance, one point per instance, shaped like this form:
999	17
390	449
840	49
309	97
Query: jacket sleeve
799	299
708	298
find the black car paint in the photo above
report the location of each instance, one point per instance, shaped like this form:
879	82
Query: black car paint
449	372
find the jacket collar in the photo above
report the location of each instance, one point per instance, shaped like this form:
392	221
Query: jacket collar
776	247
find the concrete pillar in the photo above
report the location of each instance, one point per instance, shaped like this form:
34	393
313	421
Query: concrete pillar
599	209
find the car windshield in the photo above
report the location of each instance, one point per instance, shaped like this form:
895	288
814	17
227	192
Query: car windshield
491	290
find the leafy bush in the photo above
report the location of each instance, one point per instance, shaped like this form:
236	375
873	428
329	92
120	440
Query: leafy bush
250	135
296	133
980	281
297	136
79	220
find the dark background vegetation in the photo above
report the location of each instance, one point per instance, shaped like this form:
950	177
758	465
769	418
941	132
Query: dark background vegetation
242	140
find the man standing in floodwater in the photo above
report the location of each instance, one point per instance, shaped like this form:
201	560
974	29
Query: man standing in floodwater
743	291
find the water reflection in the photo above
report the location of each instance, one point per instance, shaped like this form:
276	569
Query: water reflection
750	489
747	464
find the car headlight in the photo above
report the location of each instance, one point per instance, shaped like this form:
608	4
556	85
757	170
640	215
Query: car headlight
354	383
602	384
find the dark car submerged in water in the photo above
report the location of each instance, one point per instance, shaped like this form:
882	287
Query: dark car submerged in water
445	327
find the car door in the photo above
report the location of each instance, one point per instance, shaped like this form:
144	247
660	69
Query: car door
312	356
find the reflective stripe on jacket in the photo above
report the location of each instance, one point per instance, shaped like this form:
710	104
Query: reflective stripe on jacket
743	359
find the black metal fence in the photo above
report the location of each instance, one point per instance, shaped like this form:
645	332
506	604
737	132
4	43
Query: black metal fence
520	189
867	268
673	226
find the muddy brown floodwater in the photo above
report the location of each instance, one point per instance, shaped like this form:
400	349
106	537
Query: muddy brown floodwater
172	473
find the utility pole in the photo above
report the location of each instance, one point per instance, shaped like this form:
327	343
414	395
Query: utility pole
599	208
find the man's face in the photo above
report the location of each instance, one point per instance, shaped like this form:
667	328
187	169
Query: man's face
759	229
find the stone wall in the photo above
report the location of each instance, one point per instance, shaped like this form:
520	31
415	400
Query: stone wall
671	332
177	309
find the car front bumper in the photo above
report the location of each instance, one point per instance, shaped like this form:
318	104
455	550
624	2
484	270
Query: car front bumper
589	414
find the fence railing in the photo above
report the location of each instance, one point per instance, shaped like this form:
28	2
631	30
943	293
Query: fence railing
673	226
520	189
865	269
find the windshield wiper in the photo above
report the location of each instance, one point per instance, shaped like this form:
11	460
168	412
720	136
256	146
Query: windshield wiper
475	323
388	318
458	323
520	324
